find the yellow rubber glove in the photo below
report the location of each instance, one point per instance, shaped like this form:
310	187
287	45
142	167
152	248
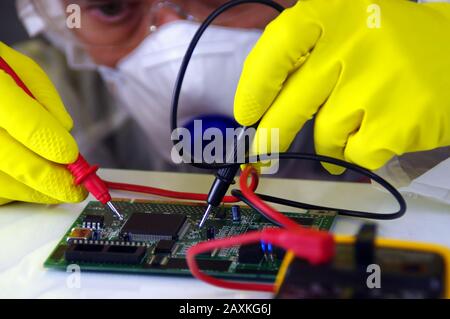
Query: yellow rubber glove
34	137
375	73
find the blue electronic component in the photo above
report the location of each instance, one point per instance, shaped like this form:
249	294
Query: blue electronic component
236	213
263	247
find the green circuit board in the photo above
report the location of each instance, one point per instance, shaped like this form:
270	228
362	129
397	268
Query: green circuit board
154	236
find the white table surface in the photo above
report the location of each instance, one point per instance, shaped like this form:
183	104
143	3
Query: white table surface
28	234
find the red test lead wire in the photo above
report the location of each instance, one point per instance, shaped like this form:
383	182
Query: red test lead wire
8	69
174	194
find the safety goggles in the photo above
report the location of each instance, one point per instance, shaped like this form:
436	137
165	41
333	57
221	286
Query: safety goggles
120	22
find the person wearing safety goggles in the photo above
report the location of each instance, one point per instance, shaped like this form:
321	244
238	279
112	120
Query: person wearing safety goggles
359	79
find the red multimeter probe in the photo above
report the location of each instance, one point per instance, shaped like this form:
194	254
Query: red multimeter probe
84	173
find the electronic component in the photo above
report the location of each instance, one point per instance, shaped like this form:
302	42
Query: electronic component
265	249
95	252
304	221
156	261
210	233
272	253
151	227
220	213
93	221
204	264
236	213
96	234
250	254
166	255
164	246
214	265
80	234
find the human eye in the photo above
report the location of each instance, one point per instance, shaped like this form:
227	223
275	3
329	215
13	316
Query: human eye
111	11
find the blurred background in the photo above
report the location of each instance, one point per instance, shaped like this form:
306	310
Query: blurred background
11	30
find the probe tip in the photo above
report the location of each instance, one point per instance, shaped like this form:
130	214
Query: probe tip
115	211
205	216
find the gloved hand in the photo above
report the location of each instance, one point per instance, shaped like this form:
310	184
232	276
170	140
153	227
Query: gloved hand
374	72
34	137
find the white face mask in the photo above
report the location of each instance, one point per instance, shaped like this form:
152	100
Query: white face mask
144	81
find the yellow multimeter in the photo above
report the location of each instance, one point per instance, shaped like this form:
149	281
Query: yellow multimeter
369	267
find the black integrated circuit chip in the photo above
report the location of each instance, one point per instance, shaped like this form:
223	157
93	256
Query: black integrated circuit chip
304	221
152	227
220	213
250	254
177	263
164	246
104	253
214	264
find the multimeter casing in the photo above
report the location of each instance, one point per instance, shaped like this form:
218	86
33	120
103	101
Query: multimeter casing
394	269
